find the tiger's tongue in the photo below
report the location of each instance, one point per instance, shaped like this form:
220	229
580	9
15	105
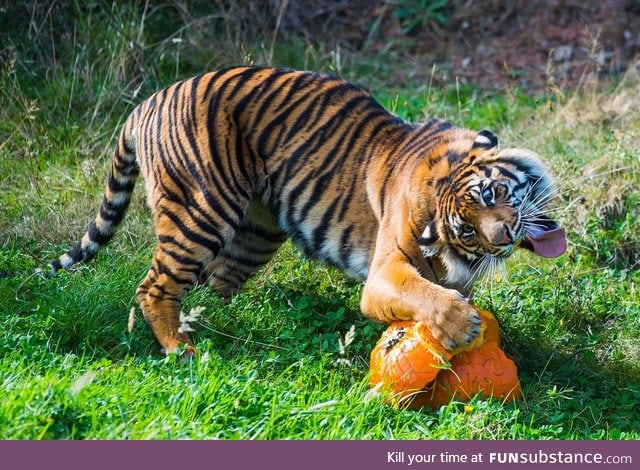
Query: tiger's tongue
549	244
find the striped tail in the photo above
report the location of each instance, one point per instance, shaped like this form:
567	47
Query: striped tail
122	178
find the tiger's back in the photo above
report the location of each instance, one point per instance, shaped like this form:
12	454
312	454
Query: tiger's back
295	144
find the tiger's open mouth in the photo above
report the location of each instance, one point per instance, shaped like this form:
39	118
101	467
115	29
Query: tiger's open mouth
545	238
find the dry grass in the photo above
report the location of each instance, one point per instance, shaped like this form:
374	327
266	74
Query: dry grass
591	139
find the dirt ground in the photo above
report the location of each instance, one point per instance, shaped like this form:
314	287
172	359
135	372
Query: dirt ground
537	44
492	43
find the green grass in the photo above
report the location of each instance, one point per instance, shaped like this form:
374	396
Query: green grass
269	364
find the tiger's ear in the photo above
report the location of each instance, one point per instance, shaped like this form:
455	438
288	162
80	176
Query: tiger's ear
485	140
429	241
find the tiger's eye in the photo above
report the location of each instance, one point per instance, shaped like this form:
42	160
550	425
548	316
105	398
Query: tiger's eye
488	197
467	231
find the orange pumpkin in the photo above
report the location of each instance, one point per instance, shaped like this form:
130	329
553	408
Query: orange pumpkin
492	330
484	369
409	362
406	359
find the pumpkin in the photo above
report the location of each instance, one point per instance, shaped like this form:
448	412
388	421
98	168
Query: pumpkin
491	333
406	359
484	370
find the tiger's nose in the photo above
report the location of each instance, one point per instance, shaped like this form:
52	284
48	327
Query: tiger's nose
502	236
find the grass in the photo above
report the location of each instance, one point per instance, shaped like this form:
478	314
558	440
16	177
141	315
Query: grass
270	364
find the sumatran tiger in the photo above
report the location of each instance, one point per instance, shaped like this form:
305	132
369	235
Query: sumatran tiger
238	160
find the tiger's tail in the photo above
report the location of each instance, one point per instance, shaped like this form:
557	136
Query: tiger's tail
122	178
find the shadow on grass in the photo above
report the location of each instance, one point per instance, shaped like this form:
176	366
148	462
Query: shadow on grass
574	391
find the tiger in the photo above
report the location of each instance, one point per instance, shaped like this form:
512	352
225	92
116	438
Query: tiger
241	159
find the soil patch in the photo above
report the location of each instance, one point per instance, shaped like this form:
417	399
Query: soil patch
492	43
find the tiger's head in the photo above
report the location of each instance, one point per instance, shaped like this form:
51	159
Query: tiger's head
490	202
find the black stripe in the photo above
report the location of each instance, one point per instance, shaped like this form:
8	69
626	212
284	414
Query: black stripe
168	165
186	159
319	234
472	171
234	161
313	114
299	82
272	237
282	117
345	246
504	172
519	186
218	76
433	270
391	121
212	245
333	158
111	213
228	180
242	78
170	297
95	235
206	221
406	255
383	195
125	145
125	168
322	134
56	266
164	269
249	241
116	187
347	202
226	280
256	93
393	314
182	259
426	134
172	241
176	121
176	181
76	253
241	156
243	260
452	156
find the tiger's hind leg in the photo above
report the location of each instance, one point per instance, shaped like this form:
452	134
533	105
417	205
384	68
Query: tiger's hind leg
254	243
183	249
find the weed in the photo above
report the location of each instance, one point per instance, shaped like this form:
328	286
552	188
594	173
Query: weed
421	13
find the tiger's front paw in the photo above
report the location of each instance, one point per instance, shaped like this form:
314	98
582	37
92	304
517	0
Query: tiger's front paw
452	320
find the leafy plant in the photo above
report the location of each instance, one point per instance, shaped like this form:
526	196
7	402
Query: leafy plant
414	14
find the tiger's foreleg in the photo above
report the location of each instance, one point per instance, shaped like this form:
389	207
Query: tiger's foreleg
395	290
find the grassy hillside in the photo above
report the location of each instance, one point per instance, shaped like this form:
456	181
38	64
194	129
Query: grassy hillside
270	364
